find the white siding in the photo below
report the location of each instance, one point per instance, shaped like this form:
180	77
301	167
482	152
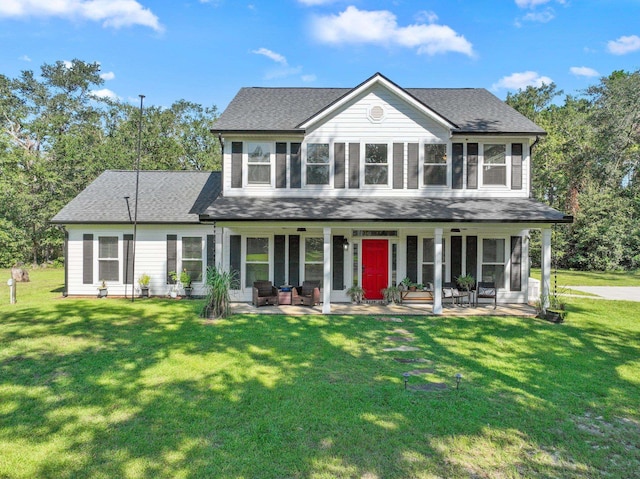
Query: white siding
151	256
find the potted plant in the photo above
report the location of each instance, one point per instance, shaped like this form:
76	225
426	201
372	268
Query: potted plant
466	282
392	294
143	281
356	293
406	283
182	279
556	310
102	289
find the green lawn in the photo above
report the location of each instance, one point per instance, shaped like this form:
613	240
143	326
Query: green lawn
109	388
590	278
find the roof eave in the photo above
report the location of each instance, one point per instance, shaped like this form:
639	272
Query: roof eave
297	131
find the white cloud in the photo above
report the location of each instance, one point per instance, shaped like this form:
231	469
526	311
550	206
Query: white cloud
584	72
67	64
542	17
380	27
520	81
112	13
310	3
531	3
107	76
624	45
104	93
276	57
25	58
426	16
308	78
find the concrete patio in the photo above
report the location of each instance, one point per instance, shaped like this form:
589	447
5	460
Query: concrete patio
414	309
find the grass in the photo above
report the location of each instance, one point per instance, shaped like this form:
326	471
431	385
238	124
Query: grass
590	278
110	388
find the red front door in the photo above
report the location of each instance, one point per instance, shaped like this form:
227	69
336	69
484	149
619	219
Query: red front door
375	267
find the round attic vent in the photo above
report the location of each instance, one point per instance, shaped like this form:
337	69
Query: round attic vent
376	113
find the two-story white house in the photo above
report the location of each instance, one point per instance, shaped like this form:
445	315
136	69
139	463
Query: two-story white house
364	185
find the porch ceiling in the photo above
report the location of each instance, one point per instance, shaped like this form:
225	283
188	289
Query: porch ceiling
436	210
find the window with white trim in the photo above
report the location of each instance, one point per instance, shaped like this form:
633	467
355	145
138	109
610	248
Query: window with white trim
259	163
429	260
376	164
493	262
257	261
108	262
314	259
318	164
192	256
494	168
435	165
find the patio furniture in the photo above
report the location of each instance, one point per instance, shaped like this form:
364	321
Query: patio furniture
449	291
487	289
308	294
264	293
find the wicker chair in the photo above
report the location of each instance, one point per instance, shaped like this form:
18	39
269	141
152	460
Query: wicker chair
264	293
487	290
308	294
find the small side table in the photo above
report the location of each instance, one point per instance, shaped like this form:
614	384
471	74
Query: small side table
284	296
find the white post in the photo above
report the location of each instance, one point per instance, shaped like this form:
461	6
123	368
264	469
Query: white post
219	237
437	274
12	290
545	266
326	289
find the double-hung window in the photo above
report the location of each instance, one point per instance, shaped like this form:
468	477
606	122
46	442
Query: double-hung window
435	165
257	261
318	164
493	261
108	258
314	259
376	164
429	260
259	163
192	256
494	169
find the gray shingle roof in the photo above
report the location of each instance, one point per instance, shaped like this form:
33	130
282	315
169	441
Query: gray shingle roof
164	197
512	210
472	110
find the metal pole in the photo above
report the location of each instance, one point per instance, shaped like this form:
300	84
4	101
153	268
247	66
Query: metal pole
135	210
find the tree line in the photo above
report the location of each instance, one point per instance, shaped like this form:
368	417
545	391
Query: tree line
588	165
56	136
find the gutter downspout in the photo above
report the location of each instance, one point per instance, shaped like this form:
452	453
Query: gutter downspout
221	141
531	167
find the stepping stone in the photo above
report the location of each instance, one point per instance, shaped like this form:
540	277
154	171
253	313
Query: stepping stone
400	338
402	348
417	372
428	387
393	320
412	360
401	331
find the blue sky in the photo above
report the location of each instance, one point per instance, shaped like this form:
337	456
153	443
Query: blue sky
205	50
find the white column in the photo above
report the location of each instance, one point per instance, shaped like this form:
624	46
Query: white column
545	266
437	274
326	290
218	235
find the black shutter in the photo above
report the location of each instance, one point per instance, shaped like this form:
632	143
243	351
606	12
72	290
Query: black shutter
472	255
236	164
339	174
172	256
338	263
457	165
294	260
87	259
456	257
211	251
516	263
127	266
412	165
235	260
398	166
279	252
296	166
516	166
354	165
472	166
281	165
412	258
